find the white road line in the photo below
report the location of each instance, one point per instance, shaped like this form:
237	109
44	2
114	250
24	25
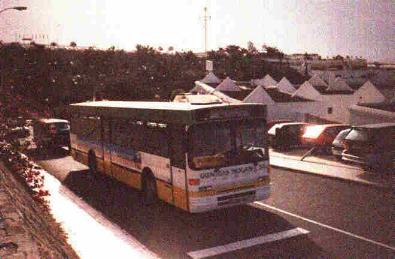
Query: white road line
260	205
247	243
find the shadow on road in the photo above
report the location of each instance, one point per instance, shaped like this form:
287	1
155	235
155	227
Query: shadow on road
171	232
54	153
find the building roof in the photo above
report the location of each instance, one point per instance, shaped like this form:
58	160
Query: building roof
283	97
339	85
317	82
272	94
266	81
228	85
390	107
211	78
258	95
377	125
285	86
239	95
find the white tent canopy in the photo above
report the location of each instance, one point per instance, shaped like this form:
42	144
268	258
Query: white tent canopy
285	86
210	78
228	85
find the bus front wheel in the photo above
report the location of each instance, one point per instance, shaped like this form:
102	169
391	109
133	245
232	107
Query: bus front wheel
92	163
149	189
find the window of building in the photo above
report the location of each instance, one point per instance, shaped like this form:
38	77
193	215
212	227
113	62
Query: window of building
330	110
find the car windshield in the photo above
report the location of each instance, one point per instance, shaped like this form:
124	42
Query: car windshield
221	144
62	126
342	134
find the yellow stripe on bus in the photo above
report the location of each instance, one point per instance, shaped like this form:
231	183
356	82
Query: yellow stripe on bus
126	176
180	198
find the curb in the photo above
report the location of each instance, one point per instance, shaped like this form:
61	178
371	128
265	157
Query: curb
375	185
315	162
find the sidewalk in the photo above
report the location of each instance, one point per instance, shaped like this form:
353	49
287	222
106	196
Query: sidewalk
326	166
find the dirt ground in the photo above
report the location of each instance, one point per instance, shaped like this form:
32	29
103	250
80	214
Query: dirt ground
27	230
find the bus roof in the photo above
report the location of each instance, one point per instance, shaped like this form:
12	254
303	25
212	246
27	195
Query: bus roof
168	112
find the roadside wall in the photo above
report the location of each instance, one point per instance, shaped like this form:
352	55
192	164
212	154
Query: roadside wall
360	115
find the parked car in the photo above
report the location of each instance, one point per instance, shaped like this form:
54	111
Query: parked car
51	133
337	144
372	146
322	136
272	123
286	135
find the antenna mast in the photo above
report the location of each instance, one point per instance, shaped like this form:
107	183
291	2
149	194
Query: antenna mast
206	18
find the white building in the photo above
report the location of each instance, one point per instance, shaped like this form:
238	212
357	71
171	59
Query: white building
368	93
282	105
337	96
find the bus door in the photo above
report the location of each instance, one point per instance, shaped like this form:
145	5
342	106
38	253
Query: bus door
177	150
106	143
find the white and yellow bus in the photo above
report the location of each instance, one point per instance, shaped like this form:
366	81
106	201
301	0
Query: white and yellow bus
196	157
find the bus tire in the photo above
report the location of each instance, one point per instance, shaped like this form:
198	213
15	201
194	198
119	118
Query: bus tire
92	163
68	149
150	195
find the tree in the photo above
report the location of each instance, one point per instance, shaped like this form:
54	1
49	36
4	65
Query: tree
73	44
272	52
251	48
171	48
53	44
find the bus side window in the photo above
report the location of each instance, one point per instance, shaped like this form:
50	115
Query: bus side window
155	141
177	148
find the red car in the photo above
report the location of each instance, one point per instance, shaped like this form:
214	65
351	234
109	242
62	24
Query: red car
322	135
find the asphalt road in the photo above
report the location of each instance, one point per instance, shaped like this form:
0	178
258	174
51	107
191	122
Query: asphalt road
343	220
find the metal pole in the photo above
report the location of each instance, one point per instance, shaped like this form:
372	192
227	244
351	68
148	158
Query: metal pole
206	18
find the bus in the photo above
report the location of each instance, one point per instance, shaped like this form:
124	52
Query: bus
197	157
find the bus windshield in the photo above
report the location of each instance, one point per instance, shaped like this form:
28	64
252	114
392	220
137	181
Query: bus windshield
222	144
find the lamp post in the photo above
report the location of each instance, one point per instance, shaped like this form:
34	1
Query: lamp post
18	8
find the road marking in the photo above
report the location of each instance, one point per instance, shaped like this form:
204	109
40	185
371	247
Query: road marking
247	243
260	204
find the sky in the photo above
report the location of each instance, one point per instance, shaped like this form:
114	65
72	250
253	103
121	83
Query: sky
328	27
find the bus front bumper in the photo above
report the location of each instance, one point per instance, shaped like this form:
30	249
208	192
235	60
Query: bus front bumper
207	203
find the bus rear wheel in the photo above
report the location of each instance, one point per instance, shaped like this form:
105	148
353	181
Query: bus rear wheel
150	195
92	163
